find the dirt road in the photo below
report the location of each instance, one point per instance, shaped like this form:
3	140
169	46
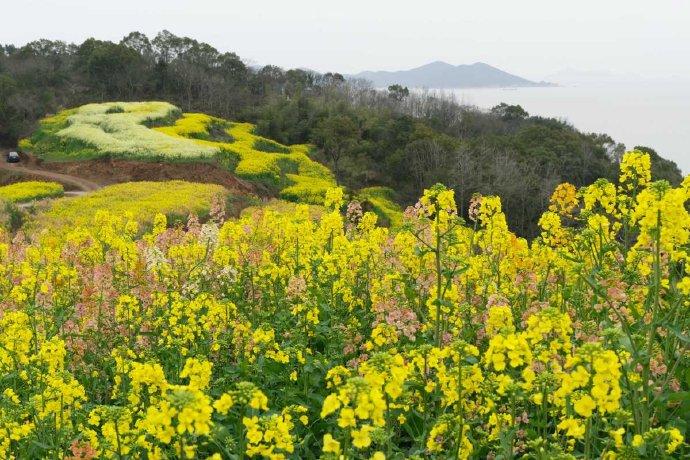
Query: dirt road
77	182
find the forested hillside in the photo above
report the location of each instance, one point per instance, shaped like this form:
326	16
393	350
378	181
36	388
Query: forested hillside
403	140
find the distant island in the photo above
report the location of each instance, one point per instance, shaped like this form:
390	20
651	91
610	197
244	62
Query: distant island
440	74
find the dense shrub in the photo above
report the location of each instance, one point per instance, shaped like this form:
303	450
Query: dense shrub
265	145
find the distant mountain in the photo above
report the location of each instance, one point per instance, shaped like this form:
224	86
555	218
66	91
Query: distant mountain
443	75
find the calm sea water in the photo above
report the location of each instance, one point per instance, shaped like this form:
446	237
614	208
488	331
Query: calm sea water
652	114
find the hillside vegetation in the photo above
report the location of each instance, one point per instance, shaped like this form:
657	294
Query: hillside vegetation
96	130
403	140
292	334
160	131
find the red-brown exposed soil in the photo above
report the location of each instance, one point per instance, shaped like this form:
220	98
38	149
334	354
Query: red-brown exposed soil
13	171
90	175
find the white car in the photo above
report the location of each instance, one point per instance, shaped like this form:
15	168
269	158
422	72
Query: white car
13	157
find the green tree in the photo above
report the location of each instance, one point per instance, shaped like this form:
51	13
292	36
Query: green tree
509	112
8	128
398	92
336	135
139	43
109	67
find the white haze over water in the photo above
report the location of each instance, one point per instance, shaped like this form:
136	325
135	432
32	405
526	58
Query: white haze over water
653	114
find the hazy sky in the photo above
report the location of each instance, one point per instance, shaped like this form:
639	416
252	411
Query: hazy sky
532	38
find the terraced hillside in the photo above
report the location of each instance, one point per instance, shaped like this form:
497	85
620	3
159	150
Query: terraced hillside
124	137
159	131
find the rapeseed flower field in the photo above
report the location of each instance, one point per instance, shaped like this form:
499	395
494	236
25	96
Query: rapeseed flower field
158	131
138	202
21	192
284	334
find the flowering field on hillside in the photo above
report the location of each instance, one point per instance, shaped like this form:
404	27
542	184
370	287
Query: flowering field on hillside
95	130
382	203
159	131
279	335
30	190
138	202
289	168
